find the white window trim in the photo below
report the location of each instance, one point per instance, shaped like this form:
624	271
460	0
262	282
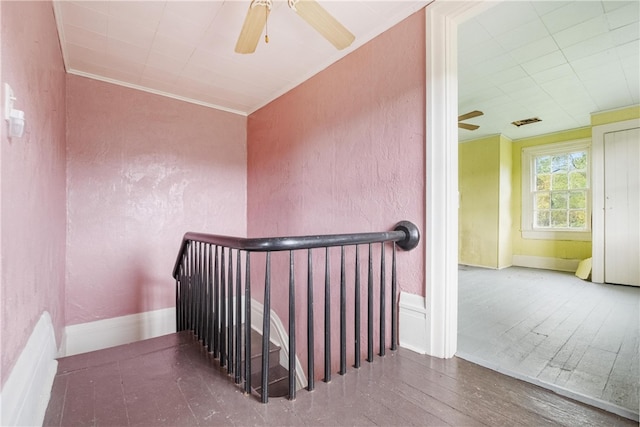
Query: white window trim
528	154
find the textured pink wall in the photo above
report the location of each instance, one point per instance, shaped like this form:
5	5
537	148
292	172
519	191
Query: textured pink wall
32	178
143	169
344	152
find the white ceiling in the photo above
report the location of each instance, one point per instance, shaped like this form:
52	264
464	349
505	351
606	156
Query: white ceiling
559	61
185	49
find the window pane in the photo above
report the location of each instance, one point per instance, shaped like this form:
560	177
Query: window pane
542	201
543	164
542	218
577	180
559	181
559	200
560	163
578	160
543	182
577	200
559	218
577	219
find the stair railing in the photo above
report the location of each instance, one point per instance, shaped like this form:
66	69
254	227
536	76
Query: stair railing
216	308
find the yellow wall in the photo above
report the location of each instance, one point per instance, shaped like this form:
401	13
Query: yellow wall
479	183
542	248
505	220
490	184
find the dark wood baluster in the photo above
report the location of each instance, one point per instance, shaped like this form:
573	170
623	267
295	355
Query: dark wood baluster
382	301
394	302
223	310
370	307
238	320
310	324
230	336
292	329
327	318
216	305
343	315
247	325
356	320
266	331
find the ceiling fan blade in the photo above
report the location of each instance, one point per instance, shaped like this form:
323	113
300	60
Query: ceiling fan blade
470	115
253	25
323	22
468	126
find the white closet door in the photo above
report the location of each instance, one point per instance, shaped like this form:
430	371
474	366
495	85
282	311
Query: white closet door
622	207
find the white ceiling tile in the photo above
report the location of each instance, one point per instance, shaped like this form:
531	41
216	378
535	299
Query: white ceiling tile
626	34
624	15
508	75
122	63
572	14
127	51
81	37
161	61
145	14
471	34
195	11
544	7
534	50
594	60
580	32
82	17
608	71
124	31
159	77
482	52
516	85
159	85
588	47
78	64
559	72
172	48
545	62
82	54
523	35
98	6
631	49
181	29
508	16
610	5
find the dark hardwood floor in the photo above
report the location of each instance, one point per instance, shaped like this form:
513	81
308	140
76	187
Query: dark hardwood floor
171	381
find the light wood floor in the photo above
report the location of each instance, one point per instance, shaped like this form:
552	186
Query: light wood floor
553	329
171	381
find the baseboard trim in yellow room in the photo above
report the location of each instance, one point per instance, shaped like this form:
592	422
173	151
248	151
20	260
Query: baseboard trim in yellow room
546	263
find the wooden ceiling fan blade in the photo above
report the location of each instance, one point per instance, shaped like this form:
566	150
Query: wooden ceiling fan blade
328	26
253	26
470	115
468	126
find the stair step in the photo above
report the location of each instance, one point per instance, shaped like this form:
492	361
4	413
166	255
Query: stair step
256	353
278	381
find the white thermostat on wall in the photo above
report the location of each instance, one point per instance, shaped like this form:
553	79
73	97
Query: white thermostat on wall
15	118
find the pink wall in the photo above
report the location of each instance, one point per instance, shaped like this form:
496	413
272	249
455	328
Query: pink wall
143	169
32	178
344	152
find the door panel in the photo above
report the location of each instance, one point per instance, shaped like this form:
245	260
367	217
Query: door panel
622	207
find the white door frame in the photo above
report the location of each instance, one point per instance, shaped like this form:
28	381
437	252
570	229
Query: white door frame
441	234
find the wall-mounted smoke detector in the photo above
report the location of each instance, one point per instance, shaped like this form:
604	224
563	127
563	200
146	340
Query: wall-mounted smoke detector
523	122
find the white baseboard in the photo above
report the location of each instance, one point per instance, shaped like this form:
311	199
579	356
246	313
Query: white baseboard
279	337
26	392
100	334
413	318
546	263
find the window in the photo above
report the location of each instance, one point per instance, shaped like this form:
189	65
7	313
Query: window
556	197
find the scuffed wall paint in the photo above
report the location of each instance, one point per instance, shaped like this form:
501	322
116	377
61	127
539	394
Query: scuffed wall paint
343	152
143	170
32	178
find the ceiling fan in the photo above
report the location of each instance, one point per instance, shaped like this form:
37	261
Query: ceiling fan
469	115
309	10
